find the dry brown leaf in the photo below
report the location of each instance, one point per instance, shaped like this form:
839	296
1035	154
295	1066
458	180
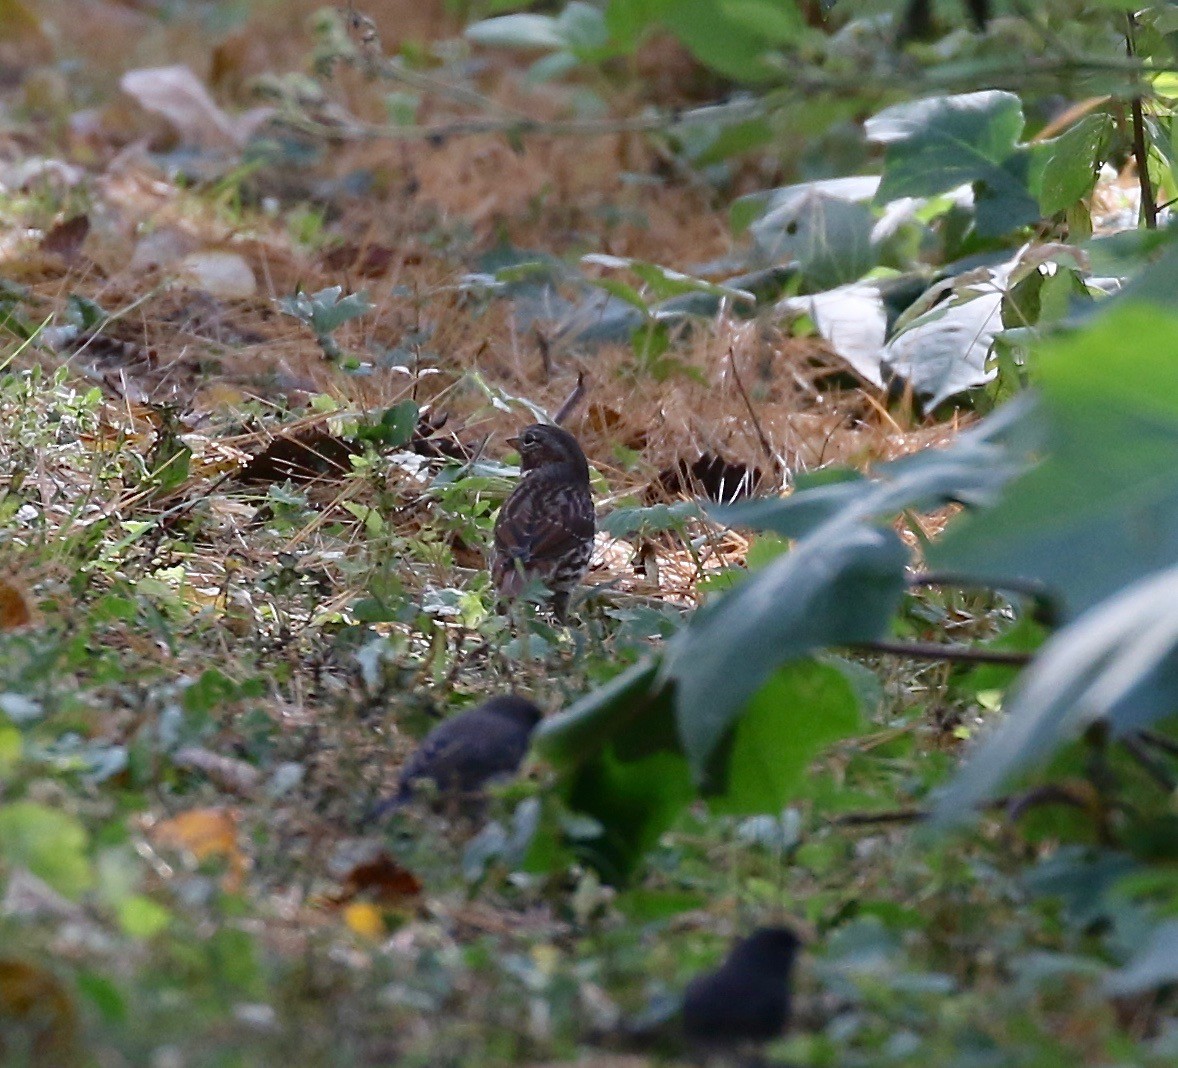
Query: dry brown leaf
65	239
16	608
366	870
236	776
35	1008
204	834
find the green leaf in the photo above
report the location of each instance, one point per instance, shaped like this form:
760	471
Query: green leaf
839	586
629	20
648	520
141	917
1102	509
1155	964
50	844
396	427
721	39
1073	160
635	801
938	144
587	725
517	31
802	709
1117	663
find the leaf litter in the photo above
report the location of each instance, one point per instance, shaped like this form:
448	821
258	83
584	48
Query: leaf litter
276	538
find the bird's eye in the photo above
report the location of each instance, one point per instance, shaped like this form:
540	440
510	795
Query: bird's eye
529	438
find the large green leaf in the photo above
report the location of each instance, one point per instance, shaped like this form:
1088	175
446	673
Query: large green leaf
1154	965
721	34
938	144
824	227
1070	164
50	844
803	708
634	801
588	725
1116	663
1102	509
839	586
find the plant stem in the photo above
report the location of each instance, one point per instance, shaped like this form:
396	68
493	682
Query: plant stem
1149	208
964	654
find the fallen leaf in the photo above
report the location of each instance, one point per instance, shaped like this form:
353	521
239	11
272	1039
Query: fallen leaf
367	261
205	833
365	919
16	611
236	776
66	238
220	274
36	1010
365	869
181	98
713	477
301	458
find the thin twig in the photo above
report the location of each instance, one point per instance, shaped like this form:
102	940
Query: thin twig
873	819
1159	741
1149	208
1027	587
964	654
571	401
545	347
765	446
1153	767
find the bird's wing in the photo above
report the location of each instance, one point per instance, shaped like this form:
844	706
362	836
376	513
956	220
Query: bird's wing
543	521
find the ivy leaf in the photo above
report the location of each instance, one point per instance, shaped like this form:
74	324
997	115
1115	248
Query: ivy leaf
1154	965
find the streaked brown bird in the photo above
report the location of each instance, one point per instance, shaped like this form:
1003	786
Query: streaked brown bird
746	999
465	753
546	526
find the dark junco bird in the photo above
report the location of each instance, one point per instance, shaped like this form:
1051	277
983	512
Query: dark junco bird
466	752
545	528
917	23
746	999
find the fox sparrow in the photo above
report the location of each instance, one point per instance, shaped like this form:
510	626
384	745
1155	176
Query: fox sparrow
746	999
545	528
464	753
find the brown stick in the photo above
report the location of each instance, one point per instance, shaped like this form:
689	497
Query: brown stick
1149	207
963	654
571	401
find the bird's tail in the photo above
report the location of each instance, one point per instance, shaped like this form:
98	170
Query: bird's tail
378	812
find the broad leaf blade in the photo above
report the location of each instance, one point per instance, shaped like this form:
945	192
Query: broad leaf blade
838	587
803	708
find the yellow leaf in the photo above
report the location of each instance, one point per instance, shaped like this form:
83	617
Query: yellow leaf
364	919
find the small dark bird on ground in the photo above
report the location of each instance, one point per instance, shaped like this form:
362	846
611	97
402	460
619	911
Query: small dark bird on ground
545	528
746	999
917	23
466	752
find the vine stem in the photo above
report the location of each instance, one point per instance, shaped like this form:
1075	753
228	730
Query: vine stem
1149	208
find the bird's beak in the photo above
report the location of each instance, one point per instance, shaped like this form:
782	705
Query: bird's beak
513	442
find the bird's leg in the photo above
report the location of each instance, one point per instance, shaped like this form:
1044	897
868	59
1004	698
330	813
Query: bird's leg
560	606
